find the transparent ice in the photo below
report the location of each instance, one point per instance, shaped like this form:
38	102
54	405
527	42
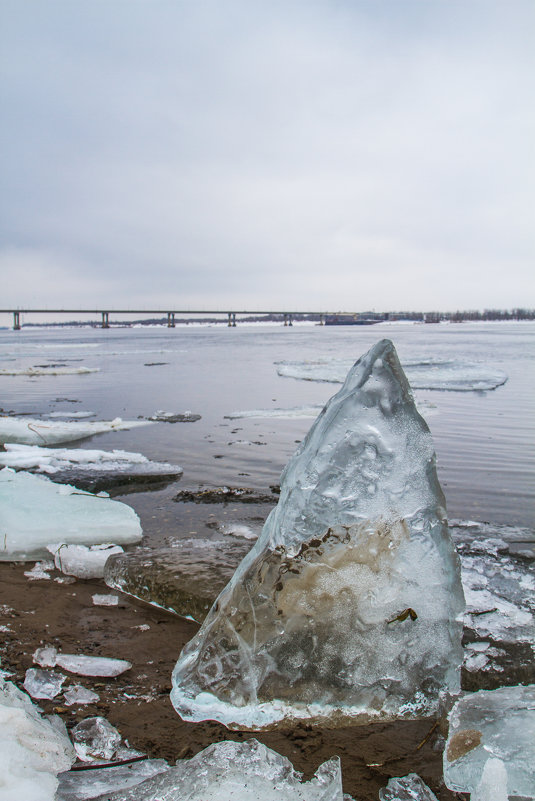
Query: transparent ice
407	788
95	738
43	683
33	749
57	514
85	785
247	771
497	724
348	607
79	695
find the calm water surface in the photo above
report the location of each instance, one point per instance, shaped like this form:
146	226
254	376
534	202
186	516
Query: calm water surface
484	439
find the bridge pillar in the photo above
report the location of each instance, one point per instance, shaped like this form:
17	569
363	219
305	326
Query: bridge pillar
170	319
285	319
16	321
232	319
105	320
322	320
290	319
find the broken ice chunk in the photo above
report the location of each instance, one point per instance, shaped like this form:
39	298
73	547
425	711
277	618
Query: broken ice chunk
43	683
246	771
33	750
40	571
497	724
347	608
29	431
408	788
105	600
79	695
57	513
87	784
95	738
82	561
80	664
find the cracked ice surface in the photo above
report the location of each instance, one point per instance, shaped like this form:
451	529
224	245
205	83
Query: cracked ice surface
56	514
492	724
247	771
347	608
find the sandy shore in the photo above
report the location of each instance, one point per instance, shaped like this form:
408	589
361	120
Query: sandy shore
48	613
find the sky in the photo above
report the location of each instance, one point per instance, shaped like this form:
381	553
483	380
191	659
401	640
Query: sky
311	155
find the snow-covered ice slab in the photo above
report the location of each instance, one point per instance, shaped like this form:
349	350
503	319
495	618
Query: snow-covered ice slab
83	466
497	724
348	607
85	785
82	561
43	683
30	431
33	750
80	664
35	512
407	788
247	771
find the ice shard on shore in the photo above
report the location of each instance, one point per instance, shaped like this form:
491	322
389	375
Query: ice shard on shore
348	607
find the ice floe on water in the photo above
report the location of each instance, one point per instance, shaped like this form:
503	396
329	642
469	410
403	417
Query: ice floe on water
33	749
45	370
438	374
292	413
57	514
86	468
174	417
31	431
71	415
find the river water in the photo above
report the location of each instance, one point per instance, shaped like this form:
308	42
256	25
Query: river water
257	388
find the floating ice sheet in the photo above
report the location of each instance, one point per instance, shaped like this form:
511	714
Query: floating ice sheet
30	431
453	374
44	370
175	417
83	463
247	771
56	514
346	610
33	750
497	724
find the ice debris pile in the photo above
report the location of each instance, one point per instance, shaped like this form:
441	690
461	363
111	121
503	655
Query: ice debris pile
57	514
348	607
31	431
494	726
33	749
247	771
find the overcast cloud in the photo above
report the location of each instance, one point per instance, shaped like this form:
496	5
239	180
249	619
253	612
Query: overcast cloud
316	155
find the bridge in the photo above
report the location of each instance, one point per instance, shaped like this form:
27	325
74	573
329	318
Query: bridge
103	315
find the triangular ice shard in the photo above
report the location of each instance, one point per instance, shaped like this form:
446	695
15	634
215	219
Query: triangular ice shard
347	608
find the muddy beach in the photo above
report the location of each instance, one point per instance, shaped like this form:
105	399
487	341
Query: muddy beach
45	612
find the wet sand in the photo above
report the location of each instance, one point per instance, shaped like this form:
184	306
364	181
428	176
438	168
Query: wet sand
45	612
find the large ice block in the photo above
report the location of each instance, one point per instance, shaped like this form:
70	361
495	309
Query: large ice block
348	607
35	512
496	725
247	771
